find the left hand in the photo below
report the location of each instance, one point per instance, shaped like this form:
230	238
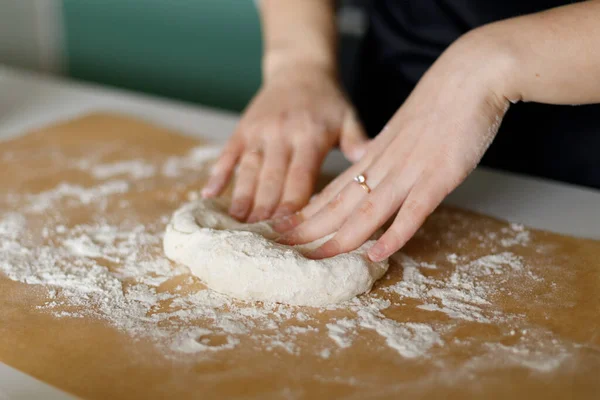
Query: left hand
427	149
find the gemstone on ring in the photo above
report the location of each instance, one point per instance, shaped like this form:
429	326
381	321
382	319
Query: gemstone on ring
360	178
362	181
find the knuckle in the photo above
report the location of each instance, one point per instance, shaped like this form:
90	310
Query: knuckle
335	203
367	209
271	177
251	160
416	209
302	173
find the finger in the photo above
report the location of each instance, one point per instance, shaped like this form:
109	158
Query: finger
270	180
328	220
422	200
223	168
301	177
333	189
376	150
353	140
245	184
370	215
331	217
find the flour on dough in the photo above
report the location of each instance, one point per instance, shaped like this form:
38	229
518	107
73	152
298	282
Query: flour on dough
242	260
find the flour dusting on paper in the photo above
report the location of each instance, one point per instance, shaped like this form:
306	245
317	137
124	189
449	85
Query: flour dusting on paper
117	273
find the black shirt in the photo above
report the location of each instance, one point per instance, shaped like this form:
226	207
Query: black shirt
406	36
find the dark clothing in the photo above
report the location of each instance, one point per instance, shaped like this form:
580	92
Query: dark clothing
406	36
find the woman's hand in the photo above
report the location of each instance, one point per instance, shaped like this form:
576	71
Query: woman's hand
281	142
427	149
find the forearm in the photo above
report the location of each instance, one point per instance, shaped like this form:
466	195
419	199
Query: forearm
555	54
297	33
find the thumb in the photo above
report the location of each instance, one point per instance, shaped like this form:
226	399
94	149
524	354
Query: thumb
353	140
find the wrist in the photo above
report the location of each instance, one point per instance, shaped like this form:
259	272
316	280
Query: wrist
493	58
287	61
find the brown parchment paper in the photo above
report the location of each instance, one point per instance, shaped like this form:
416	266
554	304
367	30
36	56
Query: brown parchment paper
92	359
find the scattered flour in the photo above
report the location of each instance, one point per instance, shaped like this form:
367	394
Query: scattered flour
461	295
76	194
521	237
174	166
410	339
138	169
118	274
340	330
134	169
84	247
453	258
325	353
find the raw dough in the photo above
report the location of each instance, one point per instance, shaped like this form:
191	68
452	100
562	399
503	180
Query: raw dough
242	260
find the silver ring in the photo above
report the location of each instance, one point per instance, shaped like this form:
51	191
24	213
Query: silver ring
362	181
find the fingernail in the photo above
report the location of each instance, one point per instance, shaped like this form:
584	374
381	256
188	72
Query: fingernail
377	251
282	211
286	223
238	210
256	216
207	192
281	225
210	189
358	154
316	254
279	215
285	239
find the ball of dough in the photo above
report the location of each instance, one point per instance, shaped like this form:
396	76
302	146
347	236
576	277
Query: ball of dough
243	260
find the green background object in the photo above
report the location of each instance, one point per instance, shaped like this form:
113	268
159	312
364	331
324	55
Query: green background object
204	51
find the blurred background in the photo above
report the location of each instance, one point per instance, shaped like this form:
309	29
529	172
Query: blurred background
201	51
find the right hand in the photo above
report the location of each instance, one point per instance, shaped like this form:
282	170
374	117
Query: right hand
281	141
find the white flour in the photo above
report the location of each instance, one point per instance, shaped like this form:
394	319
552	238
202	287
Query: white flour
117	273
175	166
74	194
463	294
520	238
134	169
